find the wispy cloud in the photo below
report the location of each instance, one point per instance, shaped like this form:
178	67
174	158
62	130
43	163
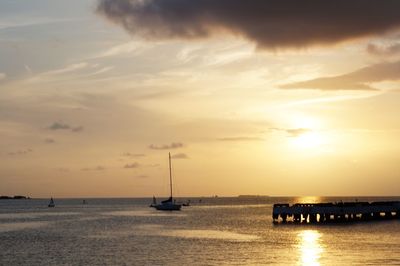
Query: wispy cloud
173	145
70	72
241	138
339	98
58	126
132	48
20	152
67	69
97	168
357	80
384	50
63	126
31	21
132	165
128	154
180	156
292	132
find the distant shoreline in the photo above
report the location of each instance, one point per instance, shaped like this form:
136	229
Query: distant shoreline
14	197
253	196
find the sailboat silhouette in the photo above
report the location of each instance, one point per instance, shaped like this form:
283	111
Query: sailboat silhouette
169	204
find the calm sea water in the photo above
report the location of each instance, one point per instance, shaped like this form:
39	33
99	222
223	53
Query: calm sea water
217	231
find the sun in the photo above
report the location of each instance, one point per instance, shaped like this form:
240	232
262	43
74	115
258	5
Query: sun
308	140
307	133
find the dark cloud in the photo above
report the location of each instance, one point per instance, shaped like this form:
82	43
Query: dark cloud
132	165
388	50
64	126
243	138
292	132
180	156
269	23
173	145
357	80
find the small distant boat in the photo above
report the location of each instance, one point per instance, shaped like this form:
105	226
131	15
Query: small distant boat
169	204
154	203
51	203
187	203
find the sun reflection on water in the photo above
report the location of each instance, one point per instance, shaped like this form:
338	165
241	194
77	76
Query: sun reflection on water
310	247
307	199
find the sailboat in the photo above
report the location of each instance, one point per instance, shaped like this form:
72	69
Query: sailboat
154	204
169	204
51	203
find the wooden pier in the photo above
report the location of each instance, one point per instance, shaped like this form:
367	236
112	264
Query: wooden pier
335	212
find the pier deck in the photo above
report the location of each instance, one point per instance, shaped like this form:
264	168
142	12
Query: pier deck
335	212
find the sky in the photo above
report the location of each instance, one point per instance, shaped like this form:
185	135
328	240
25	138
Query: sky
280	98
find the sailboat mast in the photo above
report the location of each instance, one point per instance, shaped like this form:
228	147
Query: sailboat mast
170	173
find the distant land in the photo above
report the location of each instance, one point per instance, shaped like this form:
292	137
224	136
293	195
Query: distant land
253	196
14	197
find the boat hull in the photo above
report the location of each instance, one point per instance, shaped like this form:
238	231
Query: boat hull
168	207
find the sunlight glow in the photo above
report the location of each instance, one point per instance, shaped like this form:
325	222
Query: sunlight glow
308	140
303	121
308	199
308	135
309	247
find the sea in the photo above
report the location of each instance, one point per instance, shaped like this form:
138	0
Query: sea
212	231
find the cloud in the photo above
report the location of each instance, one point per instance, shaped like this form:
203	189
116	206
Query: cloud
67	69
70	72
63	126
180	156
386	50
173	145
357	80
132	165
295	132
20	152
242	138
132	47
269	23
128	154
97	168
49	140
2	76
58	126
292	132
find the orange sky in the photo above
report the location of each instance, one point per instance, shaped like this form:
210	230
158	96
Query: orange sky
92	101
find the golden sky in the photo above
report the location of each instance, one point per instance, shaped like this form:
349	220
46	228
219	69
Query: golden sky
250	97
